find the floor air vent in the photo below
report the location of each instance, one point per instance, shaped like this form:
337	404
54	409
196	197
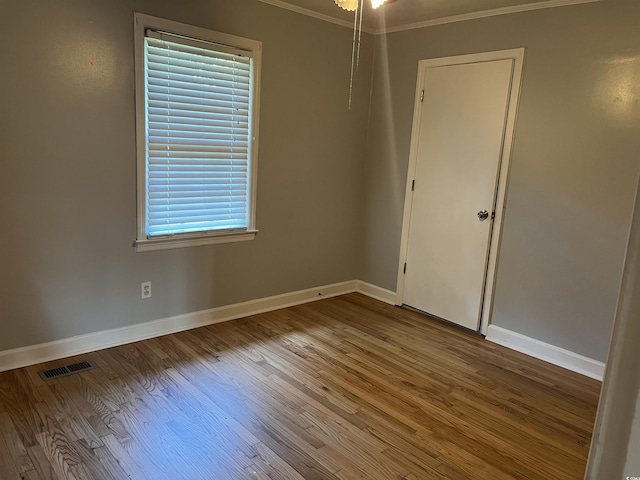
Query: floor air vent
66	370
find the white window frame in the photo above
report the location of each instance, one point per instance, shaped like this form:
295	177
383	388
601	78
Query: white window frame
144	242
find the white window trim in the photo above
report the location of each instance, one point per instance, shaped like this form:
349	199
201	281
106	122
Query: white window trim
142	243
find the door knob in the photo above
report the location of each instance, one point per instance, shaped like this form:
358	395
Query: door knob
483	215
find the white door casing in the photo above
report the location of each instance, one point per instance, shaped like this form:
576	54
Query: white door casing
460	150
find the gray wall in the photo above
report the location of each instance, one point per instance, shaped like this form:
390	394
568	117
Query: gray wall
67	168
574	165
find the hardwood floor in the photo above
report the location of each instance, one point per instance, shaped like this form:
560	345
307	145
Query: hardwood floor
344	388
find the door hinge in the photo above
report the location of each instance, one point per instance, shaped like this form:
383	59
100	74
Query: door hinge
404	270
422	96
413	184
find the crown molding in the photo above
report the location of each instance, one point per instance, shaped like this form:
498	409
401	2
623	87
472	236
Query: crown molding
311	13
436	21
483	14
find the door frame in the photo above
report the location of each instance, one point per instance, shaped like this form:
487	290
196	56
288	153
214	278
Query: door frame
517	55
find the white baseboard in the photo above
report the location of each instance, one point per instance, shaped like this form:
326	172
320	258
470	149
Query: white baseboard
545	351
376	292
45	352
67	347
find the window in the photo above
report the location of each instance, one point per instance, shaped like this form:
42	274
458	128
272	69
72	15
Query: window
197	127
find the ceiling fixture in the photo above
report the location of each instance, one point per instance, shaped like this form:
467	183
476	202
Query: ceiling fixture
352	5
349	5
357	7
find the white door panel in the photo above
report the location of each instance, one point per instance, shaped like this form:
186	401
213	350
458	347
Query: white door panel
461	135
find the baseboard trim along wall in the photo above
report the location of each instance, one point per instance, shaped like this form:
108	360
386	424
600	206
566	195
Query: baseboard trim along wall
45	352
373	291
67	347
545	351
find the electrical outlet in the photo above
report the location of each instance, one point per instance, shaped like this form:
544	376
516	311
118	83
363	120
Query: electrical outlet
145	290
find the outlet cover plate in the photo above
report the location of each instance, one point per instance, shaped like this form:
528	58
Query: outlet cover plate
145	290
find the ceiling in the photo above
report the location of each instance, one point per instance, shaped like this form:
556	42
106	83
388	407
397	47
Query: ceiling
404	14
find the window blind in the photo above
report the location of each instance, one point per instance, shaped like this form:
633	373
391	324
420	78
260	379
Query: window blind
198	104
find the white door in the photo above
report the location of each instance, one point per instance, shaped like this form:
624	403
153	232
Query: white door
461	133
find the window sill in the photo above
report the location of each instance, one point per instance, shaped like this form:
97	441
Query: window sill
149	245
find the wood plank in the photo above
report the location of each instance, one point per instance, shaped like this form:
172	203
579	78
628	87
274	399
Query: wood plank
42	464
99	461
8	466
14	446
63	457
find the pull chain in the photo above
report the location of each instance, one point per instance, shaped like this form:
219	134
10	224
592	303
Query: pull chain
355	49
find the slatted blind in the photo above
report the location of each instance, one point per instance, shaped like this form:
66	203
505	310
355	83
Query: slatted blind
198	104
